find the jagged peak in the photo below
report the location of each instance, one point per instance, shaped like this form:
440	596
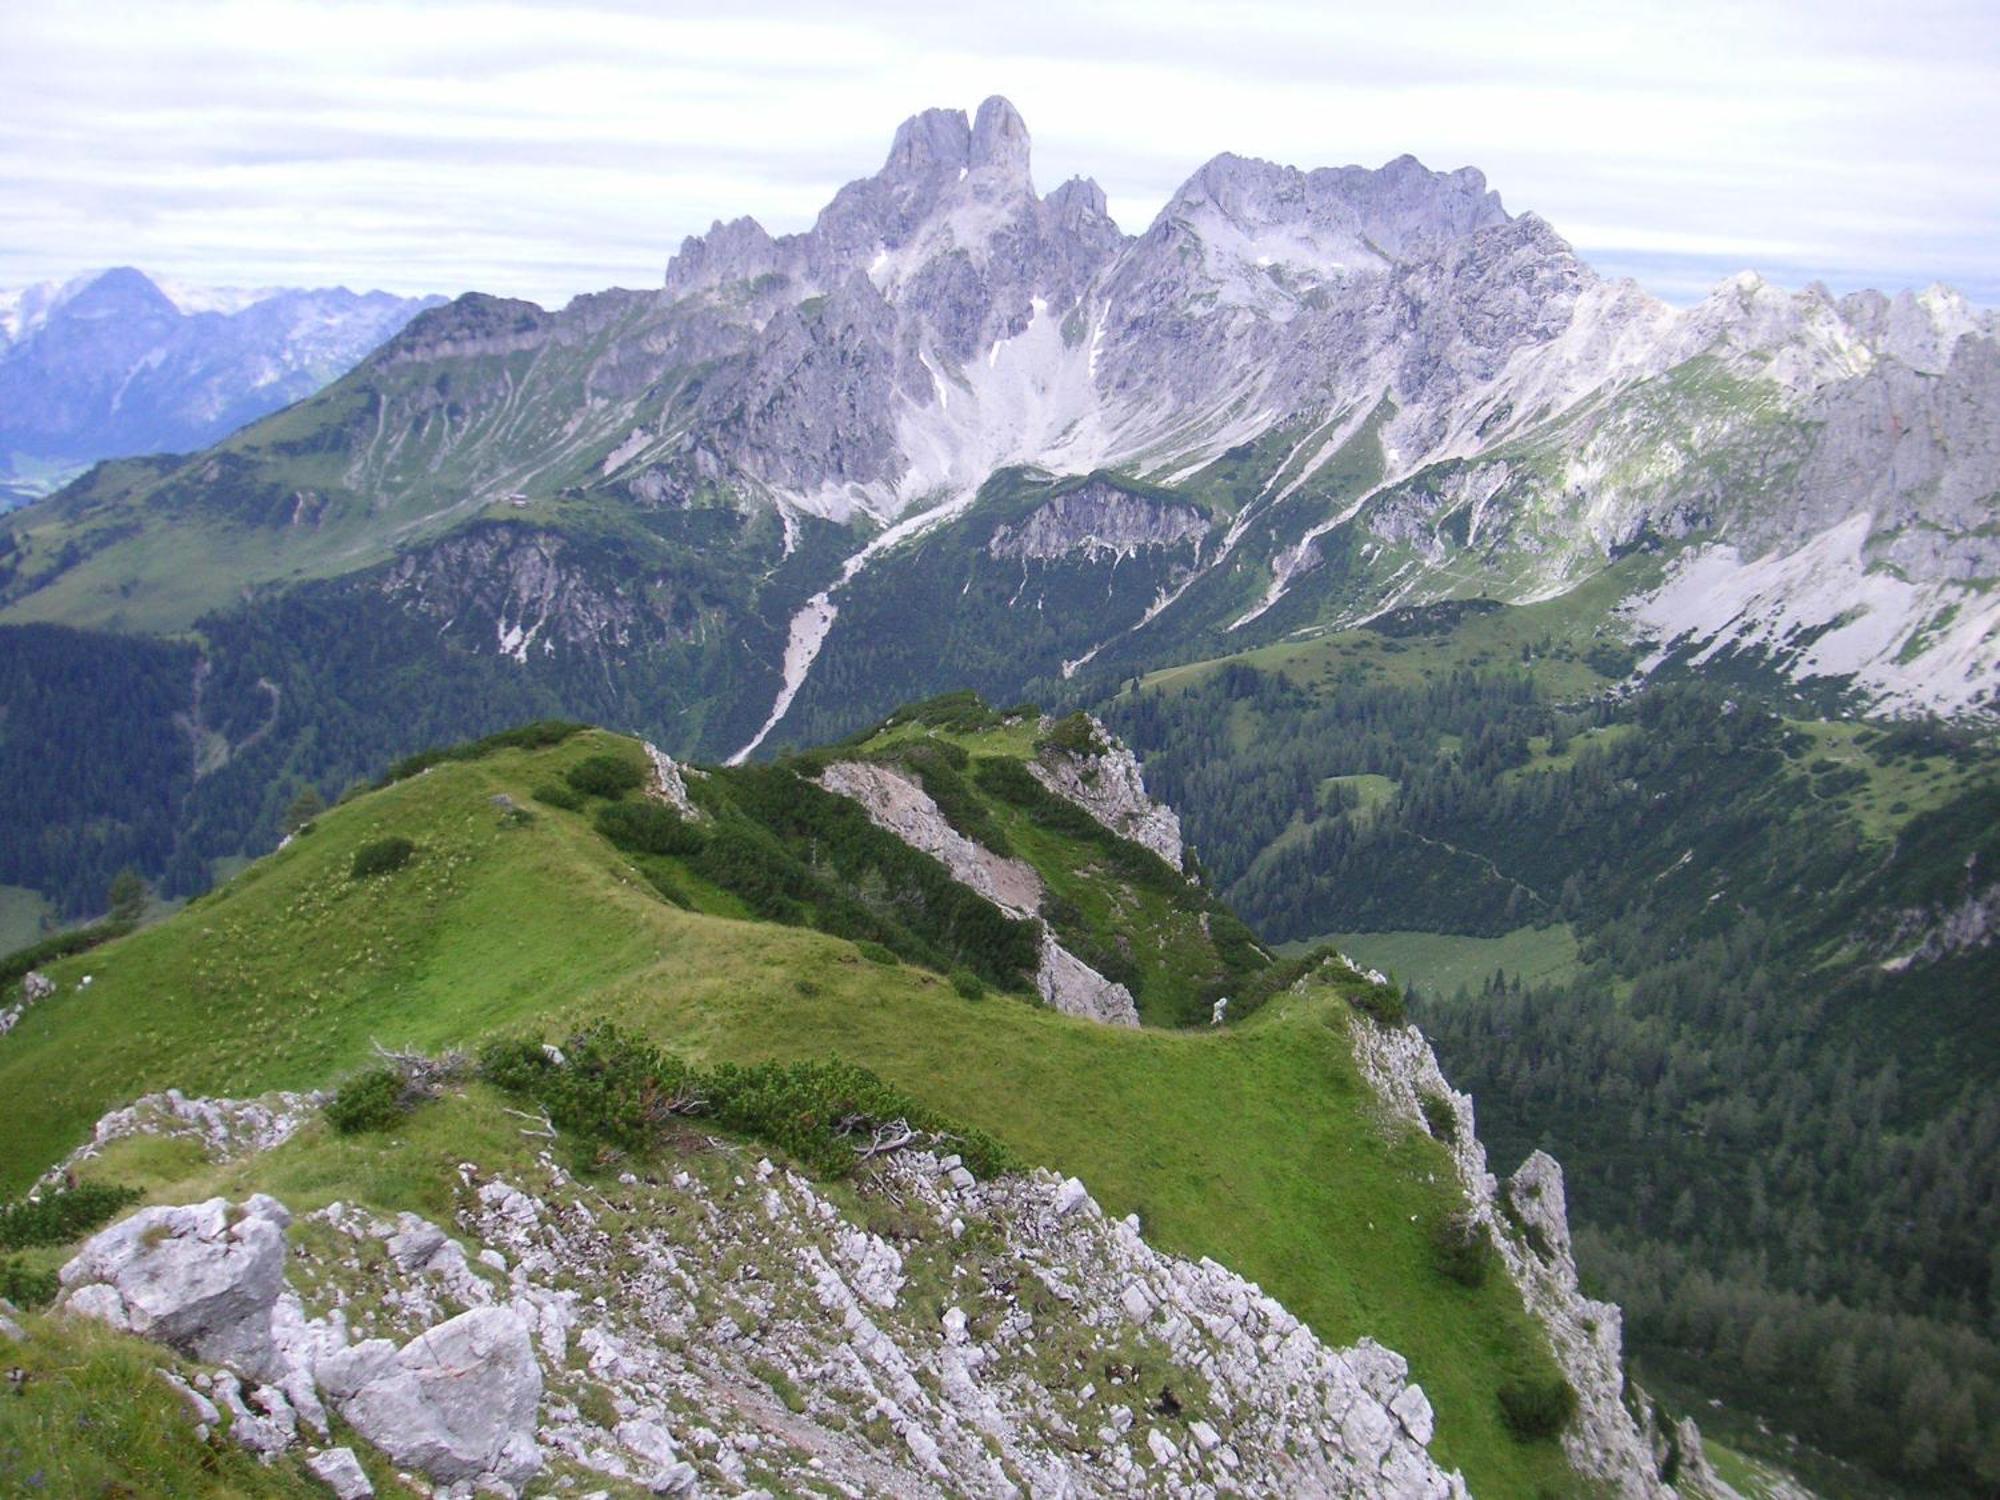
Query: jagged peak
1390	211
929	142
1079	198
734	250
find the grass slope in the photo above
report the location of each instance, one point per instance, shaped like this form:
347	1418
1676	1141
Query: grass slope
1260	1147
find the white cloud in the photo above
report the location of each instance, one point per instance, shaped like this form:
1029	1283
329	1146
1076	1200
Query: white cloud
547	149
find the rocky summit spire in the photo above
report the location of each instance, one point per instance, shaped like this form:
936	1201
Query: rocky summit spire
1000	139
1077	201
936	140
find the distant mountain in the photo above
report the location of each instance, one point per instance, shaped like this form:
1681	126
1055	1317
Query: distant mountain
901	452
115	363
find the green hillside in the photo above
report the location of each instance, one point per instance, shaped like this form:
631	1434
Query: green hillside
1259	1146
1692	941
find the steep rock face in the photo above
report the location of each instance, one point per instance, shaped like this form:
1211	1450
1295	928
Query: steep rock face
516	591
1604	1440
669	785
898	805
1384	388
1111	787
1097	521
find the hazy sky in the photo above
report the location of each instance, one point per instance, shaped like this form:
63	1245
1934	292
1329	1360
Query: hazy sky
549	149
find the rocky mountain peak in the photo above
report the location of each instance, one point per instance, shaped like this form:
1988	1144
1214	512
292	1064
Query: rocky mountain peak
737	251
934	141
121	292
1077	201
1000	140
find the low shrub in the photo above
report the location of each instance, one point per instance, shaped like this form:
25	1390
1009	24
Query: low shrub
1461	1250
27	1288
876	953
63	945
555	794
627	1093
382	856
1440	1116
609	776
648	828
1381	1003
539	735
938	765
62	1215
369	1101
1537	1409
1011	781
967	984
1073	734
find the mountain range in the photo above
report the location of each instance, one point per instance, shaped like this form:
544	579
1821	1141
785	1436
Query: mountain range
1629	668
113	363
1296	399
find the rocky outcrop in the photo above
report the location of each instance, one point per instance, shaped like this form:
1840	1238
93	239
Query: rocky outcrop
898	805
1111	787
458	1401
35	988
225	1129
1529	1227
203	1278
895	803
1096	522
1068	984
670	786
1923	936
341	1472
1010	1337
209	1279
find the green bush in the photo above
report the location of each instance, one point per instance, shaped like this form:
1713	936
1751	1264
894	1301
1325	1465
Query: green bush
1011	781
1382	1003
967	984
626	1093
374	1100
1072	735
382	856
26	1288
555	794
1461	1250
60	1216
1537	1409
648	828
1440	1116
877	953
610	776
861	883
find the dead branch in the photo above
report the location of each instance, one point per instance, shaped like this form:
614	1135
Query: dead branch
548	1130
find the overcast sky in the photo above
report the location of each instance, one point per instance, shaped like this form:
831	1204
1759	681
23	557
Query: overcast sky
544	149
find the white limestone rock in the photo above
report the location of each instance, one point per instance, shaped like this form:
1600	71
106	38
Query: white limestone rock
1068	984
341	1472
203	1278
458	1401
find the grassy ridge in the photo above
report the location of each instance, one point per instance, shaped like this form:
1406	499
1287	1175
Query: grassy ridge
1261	1147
